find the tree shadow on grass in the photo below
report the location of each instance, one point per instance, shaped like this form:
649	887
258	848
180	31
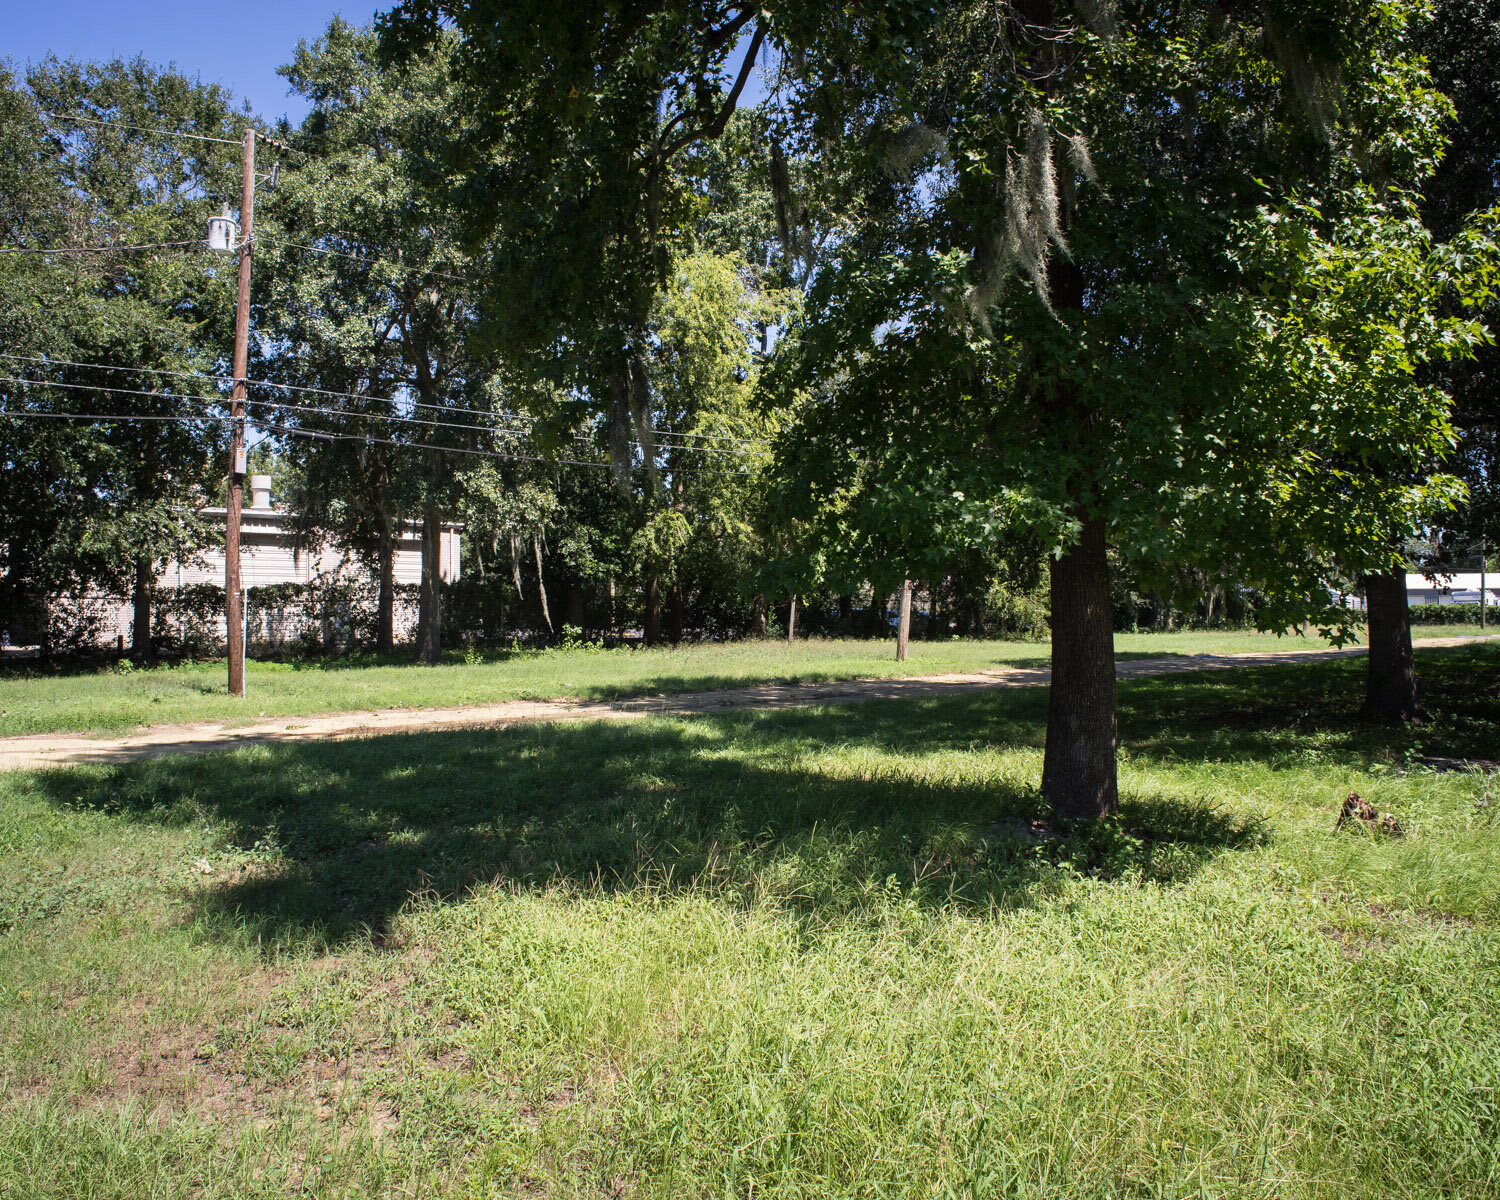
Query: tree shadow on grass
822	807
828	809
1267	713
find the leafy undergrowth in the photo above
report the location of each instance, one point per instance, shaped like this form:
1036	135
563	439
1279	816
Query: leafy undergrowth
37	701
806	953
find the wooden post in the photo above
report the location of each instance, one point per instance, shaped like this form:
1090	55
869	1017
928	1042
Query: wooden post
791	620
1483	582
903	631
234	613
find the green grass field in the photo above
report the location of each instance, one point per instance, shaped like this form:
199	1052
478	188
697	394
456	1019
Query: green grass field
32	702
808	953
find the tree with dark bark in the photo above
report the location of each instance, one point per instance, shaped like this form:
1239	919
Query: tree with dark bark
101	504
1120	302
1391	669
373	299
1144	278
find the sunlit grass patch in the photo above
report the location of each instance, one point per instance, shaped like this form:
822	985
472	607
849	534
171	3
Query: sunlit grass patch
825	952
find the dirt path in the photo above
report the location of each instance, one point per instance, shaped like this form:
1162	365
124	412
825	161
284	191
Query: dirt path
67	749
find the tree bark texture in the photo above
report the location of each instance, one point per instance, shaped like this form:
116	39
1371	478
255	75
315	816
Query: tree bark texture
676	613
541	582
1390	670
385	609
429	605
140	629
653	611
758	616
903	631
1078	768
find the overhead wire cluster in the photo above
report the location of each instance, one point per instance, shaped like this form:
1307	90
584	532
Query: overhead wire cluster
498	423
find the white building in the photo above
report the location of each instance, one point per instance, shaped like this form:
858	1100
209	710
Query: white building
1459	588
269	554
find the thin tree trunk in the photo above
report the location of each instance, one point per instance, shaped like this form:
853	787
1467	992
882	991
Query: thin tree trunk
846	613
1390	669
875	622
676	614
385	614
515	565
791	620
758	617
653	611
1078	767
430	604
611	615
43	627
140	629
903	631
541	584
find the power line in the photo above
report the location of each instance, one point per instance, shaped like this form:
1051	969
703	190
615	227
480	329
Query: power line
66	362
284	405
318	435
177	133
72	416
339	412
99	387
292	387
663	439
323	436
93	249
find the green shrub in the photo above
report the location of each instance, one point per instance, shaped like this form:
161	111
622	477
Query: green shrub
1446	614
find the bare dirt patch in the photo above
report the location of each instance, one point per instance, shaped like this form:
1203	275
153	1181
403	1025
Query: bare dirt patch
1357	941
47	750
237	1065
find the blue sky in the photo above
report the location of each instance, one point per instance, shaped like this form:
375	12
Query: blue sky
217	43
237	46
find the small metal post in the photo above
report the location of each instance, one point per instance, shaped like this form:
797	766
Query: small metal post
903	630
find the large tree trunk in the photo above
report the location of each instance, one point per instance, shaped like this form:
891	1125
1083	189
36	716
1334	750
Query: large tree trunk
140	629
758	616
385	605
653	611
430	602
875	621
1078	769
1391	672
846	613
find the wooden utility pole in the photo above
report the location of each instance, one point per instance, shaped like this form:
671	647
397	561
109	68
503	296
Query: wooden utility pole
234	616
903	630
791	620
